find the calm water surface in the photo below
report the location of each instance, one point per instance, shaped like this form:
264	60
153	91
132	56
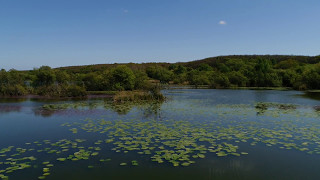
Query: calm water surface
275	135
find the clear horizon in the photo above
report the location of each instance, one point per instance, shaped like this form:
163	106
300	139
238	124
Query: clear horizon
58	33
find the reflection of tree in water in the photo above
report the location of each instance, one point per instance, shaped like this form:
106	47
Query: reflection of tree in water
9	108
154	109
43	113
312	95
12	100
148	108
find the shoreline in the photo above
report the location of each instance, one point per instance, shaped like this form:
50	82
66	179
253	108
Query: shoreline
110	94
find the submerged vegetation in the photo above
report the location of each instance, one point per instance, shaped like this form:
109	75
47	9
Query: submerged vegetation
297	72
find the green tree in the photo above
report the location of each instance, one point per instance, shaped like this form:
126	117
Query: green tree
311	77
289	77
237	78
204	67
179	69
223	68
4	77
287	64
62	76
197	78
218	80
44	76
121	78
141	80
93	81
160	73
265	76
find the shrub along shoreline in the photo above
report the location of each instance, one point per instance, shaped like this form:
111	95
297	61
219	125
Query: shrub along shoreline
235	72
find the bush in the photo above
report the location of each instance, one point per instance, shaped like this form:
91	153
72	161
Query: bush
152	93
237	78
198	77
49	90
219	80
64	90
13	90
120	78
75	91
160	73
156	93
44	76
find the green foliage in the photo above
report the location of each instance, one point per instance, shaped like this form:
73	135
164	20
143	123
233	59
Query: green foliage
197	78
298	72
311	77
12	90
287	64
150	94
154	90
235	64
44	76
219	80
160	73
289	77
141	80
62	76
237	78
75	91
265	75
223	68
204	67
180	78
62	90
93	81
12	83
121	78
4	79
49	90
179	69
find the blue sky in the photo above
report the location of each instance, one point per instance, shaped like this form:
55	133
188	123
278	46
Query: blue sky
78	32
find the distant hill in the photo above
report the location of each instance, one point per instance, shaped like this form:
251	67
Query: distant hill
212	61
101	67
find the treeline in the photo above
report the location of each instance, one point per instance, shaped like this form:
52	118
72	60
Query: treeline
297	72
46	81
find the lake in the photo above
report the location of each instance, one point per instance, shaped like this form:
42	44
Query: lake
195	134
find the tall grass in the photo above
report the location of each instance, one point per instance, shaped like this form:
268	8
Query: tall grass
124	96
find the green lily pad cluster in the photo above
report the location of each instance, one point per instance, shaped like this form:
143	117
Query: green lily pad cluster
13	165
175	142
58	148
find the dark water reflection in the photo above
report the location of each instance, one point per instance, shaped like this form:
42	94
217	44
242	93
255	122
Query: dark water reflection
312	95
